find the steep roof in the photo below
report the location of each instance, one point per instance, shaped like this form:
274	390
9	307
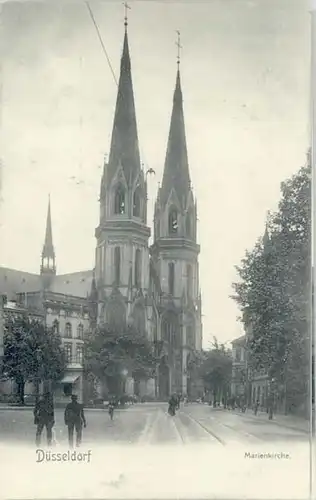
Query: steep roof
77	284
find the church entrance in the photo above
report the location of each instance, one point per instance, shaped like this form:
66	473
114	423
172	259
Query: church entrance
164	377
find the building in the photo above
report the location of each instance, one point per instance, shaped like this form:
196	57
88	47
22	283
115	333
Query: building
155	288
239	367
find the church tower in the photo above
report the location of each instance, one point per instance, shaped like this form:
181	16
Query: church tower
48	264
175	258
122	254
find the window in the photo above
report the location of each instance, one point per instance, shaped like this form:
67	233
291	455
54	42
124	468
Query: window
237	357
119	200
117	265
188	226
79	353
190	336
56	326
171	278
137	268
80	332
189	281
173	221
68	331
136	202
68	351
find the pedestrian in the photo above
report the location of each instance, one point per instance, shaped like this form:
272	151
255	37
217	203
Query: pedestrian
257	404
74	419
111	408
44	417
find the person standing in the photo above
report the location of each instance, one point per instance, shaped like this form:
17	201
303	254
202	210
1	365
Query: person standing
44	417
74	419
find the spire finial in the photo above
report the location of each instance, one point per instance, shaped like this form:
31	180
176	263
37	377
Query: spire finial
178	44
126	7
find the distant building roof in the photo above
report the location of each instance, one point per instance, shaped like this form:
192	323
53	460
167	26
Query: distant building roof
13	281
239	341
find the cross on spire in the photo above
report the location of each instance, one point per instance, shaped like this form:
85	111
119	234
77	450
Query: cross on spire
126	7
178	44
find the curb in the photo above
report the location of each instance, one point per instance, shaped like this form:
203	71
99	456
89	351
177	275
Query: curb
273	421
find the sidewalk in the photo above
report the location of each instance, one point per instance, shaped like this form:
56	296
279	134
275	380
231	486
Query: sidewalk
289	421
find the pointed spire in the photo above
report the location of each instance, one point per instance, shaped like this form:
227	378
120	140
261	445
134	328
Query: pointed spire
124	144
176	170
48	248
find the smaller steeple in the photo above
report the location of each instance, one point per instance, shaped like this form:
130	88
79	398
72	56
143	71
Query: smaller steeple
48	265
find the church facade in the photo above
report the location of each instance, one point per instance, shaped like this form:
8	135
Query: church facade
154	287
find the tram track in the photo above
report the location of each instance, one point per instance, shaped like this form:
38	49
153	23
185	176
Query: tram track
206	429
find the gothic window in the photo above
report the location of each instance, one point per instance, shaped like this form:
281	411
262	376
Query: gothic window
171	278
173	221
68	331
136	202
68	351
79	354
80	332
137	268
190	337
189	281
56	326
139	319
170	330
117	264
116	315
119	200
188	225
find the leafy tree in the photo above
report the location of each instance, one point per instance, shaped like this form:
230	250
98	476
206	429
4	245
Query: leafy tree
109	353
216	370
275	288
32	352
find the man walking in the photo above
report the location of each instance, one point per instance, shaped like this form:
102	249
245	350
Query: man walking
74	419
44	417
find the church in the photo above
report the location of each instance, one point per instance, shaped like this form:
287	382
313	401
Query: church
154	287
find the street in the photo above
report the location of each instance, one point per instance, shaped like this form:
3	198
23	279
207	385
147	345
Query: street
144	453
150	424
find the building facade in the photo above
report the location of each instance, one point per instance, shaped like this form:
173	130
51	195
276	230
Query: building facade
155	288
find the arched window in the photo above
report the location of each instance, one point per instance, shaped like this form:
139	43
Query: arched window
136	202
68	331
119	200
190	337
116	316
171	278
170	330
173	221
137	268
189	281
56	326
80	331
188	225
117	265
139	319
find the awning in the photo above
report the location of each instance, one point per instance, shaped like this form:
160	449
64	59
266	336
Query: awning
69	379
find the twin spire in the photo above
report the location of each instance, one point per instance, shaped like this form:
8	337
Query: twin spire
124	149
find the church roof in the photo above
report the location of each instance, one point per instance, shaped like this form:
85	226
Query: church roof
176	170
13	281
76	284
124	144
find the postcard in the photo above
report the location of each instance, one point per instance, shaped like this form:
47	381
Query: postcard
156	279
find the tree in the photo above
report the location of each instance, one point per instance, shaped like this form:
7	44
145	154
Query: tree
32	352
108	354
275	288
216	370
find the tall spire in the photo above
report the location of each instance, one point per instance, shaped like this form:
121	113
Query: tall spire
176	170
48	253
124	144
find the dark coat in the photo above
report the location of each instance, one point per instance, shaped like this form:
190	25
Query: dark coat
74	414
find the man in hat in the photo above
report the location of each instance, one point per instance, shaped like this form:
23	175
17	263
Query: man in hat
74	419
44	417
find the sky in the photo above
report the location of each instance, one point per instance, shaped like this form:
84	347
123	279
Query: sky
245	81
